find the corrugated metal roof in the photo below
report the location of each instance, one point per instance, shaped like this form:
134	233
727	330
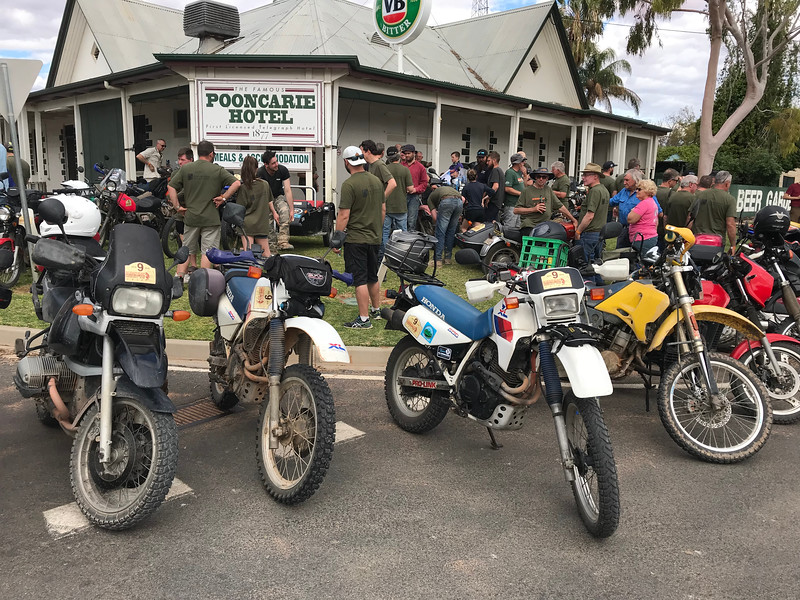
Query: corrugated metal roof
128	32
482	52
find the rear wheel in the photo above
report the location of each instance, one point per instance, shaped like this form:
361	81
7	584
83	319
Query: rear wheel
328	227
414	409
44	412
10	276
784	390
788	327
730	433
500	253
221	394
595	488
170	238
144	456
306	433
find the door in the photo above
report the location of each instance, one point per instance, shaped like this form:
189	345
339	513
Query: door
101	124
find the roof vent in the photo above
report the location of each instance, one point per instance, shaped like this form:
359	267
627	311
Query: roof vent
206	19
376	39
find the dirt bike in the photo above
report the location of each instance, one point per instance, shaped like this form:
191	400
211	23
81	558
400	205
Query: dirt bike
490	367
742	285
710	404
264	310
99	369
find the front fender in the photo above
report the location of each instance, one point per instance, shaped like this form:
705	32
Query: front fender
715	314
586	371
325	337
154	399
745	346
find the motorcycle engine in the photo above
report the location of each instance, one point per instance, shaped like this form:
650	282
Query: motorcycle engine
480	399
479	396
33	373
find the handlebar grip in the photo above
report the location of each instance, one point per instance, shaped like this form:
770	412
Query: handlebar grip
32	238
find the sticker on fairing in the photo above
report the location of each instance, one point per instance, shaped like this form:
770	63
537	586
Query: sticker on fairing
338	347
263	297
556	279
413	325
444	352
140	272
428	332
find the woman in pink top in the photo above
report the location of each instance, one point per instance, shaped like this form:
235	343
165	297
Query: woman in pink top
643	218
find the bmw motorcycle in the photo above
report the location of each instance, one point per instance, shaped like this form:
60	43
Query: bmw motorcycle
264	310
99	370
491	366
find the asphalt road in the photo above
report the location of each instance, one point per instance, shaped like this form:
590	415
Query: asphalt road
403	516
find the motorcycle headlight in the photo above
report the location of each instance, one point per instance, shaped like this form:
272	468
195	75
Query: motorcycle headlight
136	302
5	213
561	305
111	186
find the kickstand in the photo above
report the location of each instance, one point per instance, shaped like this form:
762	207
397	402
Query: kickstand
648	385
495	445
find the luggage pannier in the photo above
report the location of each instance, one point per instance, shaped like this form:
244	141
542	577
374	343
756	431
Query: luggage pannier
303	277
408	251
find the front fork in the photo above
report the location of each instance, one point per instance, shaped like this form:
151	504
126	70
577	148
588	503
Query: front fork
107	386
554	395
277	356
695	339
789	296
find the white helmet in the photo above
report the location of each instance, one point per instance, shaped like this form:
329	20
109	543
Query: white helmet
83	217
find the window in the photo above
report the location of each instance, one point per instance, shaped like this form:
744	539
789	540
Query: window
95	51
534	64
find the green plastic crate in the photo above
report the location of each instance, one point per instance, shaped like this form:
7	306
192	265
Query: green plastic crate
542	253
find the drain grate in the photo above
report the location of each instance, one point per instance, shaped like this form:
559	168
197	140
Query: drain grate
199	412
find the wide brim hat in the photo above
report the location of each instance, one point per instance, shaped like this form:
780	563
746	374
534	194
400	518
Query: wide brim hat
593	168
541	171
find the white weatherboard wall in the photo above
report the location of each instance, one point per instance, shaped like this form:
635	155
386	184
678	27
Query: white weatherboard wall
161	117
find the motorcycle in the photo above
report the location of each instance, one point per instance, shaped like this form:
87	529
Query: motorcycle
263	310
99	369
742	285
709	403
490	367
118	207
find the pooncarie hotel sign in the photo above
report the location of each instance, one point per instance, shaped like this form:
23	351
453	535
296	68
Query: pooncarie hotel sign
260	113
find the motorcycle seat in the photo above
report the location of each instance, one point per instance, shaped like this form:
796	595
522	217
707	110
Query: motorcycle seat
513	234
147	203
222	257
456	311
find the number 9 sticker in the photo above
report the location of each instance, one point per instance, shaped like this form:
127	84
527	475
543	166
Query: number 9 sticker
139	272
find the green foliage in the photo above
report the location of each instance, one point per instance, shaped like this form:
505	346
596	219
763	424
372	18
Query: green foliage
685	128
600	78
688	152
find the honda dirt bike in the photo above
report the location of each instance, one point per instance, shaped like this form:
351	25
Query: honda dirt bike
490	367
742	285
711	405
99	369
264	310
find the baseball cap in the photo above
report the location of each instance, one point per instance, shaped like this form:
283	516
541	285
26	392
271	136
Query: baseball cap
408	148
608	164
481	152
352	154
517	159
391	151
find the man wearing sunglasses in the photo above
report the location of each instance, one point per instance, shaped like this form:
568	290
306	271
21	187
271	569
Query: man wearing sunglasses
538	202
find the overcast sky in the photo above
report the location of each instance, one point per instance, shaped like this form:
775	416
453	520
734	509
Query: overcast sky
667	78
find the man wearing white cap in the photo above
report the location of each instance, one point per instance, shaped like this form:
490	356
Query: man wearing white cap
362	210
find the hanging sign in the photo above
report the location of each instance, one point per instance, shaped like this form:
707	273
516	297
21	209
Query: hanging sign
260	113
400	21
233	159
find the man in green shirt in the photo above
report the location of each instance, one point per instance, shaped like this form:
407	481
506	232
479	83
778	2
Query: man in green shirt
446	204
538	203
375	166
11	167
362	210
397	201
201	182
608	177
561	183
681	201
594	211
714	210
514	184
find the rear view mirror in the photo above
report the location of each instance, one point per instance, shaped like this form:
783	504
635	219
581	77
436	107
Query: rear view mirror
52	211
52	254
182	255
234	214
337	239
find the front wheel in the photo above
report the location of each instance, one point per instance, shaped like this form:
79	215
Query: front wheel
414	409
788	327
595	487
500	253
170	238
10	276
293	471
784	389
144	456
729	433
328	227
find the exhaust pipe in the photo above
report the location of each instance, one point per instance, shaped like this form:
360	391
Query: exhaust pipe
61	412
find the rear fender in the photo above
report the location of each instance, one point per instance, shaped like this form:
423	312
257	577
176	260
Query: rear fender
746	346
714	314
327	340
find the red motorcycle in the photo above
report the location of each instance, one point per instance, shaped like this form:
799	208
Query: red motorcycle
738	283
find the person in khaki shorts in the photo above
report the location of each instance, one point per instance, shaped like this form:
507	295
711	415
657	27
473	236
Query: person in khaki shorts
201	182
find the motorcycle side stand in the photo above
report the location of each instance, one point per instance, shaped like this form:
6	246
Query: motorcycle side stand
648	385
495	445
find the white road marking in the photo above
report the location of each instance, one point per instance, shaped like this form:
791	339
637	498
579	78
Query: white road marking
353	376
345	432
68	519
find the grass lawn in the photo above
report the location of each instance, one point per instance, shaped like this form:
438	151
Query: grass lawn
337	310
